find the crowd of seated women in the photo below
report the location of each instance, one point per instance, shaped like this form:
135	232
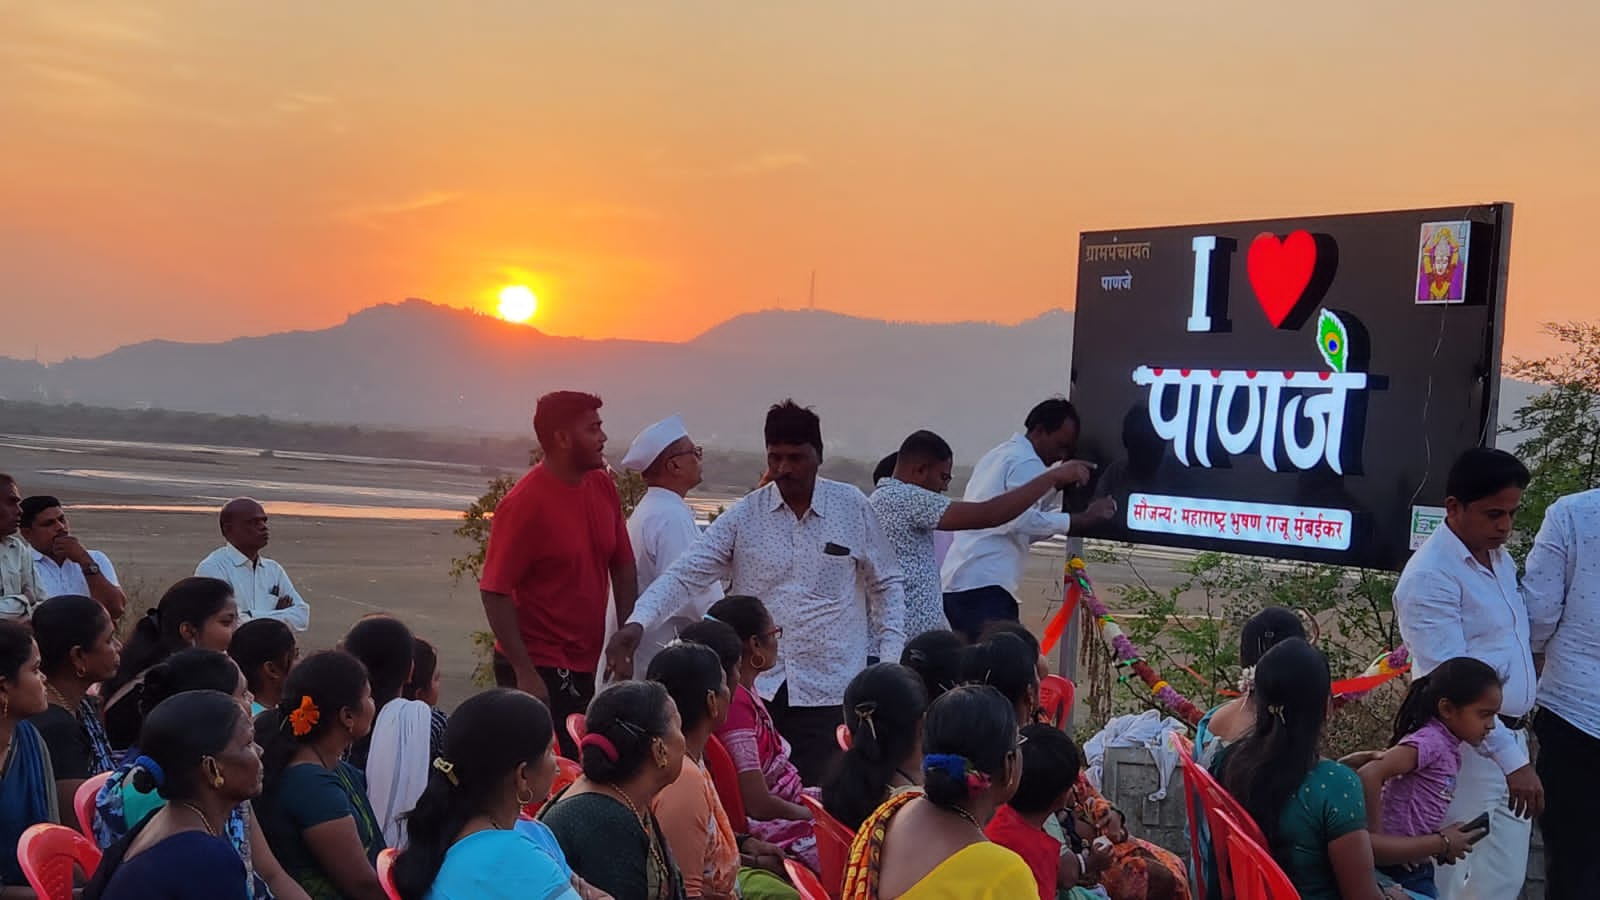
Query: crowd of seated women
227	766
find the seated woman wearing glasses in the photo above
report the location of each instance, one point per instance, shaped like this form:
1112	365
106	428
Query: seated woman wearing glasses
768	781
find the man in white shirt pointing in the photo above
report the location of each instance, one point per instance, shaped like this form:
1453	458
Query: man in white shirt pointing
1458	596
662	526
984	568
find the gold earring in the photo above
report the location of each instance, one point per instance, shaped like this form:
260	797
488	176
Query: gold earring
524	801
5	705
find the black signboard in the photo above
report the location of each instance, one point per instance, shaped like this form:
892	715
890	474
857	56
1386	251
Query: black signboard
1294	388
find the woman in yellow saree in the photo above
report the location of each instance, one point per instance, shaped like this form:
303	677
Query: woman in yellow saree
929	844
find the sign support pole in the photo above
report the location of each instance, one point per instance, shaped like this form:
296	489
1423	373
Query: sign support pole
1067	650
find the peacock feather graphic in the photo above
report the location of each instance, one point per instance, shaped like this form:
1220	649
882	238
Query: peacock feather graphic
1333	340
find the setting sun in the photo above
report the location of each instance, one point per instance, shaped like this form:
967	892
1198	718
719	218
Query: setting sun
517	303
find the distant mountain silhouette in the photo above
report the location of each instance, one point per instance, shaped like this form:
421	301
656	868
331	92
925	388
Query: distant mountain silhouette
420	365
417	364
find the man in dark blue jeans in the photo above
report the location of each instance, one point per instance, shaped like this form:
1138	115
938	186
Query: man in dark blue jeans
984	568
970	611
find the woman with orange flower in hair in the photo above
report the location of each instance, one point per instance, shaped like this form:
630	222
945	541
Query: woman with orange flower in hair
313	807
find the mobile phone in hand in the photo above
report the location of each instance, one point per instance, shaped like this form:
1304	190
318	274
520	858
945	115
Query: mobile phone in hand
1481	823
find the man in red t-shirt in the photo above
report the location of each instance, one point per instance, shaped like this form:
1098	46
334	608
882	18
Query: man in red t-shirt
557	541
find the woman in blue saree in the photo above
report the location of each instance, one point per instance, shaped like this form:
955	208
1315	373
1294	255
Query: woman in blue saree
27	784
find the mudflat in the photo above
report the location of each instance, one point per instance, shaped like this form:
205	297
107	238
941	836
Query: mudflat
358	536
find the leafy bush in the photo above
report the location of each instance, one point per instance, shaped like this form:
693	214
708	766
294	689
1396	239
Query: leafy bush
1190	633
1562	424
476	520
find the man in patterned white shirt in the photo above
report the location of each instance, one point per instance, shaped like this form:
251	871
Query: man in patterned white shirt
911	505
1561	586
812	551
941	539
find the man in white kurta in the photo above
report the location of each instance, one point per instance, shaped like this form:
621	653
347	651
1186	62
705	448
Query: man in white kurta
662	526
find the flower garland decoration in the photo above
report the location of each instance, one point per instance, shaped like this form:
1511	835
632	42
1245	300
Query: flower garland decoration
1079	589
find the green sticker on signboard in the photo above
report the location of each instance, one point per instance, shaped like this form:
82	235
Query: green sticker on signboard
1425	520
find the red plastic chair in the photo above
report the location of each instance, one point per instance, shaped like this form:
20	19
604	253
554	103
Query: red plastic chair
1217	799
1056	695
386	860
567	772
1256	875
1194	810
833	844
1222	814
48	853
805	881
1222	825
842	735
576	727
725	778
83	803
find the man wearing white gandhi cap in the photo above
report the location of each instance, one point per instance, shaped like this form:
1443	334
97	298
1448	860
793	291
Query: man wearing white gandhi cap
662	526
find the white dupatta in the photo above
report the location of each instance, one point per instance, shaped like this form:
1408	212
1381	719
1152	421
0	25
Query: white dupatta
397	764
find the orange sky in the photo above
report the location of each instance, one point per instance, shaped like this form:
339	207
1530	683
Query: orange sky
201	170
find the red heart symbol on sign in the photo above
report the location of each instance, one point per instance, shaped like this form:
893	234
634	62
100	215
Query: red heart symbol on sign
1280	271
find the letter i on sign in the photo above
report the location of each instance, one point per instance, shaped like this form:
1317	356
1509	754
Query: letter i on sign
1199	312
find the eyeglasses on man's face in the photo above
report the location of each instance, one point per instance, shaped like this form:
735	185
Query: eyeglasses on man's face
697	451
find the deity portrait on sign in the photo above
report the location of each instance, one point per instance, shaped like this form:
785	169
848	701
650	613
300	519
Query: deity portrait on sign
1442	262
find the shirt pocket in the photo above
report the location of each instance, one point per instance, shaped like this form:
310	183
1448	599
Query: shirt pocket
835	576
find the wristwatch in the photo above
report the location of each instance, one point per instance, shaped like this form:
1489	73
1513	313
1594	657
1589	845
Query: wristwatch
91	569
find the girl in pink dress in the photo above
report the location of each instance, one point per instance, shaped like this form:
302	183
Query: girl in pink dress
1409	786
